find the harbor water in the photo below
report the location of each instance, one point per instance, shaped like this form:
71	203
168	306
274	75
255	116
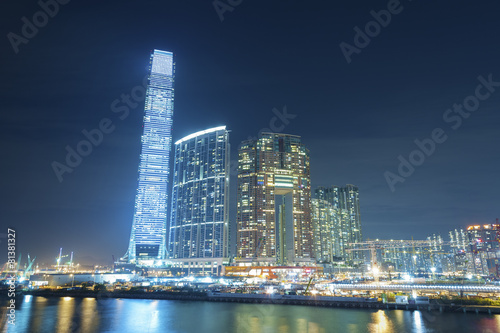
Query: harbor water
89	315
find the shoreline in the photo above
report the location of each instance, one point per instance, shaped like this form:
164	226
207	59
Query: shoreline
332	302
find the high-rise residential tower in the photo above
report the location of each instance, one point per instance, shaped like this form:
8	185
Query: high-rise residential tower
346	201
349	201
327	226
483	248
148	236
199	226
274	201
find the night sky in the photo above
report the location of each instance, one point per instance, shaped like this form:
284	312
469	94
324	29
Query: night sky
356	118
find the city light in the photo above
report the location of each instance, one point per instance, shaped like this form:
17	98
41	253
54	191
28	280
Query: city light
257	166
207	280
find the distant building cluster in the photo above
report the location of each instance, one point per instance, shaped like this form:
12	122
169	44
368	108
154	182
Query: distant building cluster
482	247
469	253
280	219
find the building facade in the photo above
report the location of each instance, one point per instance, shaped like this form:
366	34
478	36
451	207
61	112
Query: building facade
327	228
461	260
274	201
483	247
345	200
148	236
199	225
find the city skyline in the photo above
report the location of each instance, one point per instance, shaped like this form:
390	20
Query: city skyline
288	75
255	165
278	221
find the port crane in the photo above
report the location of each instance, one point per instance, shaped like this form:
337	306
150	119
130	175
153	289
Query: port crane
28	269
61	256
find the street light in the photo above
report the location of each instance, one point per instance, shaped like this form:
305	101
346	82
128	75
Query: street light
73	280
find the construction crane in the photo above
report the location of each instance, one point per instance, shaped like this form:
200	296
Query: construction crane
30	265
18	262
60	257
3	268
28	268
308	285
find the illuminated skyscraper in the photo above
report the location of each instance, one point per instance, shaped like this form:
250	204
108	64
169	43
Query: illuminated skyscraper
483	247
327	226
323	219
148	236
274	201
346	202
200	197
349	201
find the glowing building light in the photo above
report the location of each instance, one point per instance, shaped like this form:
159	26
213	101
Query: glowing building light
199	224
148	236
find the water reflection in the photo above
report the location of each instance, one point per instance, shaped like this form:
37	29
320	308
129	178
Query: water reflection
36	313
417	322
283	325
89	316
381	323
141	314
66	309
302	325
130	315
490	325
399	317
